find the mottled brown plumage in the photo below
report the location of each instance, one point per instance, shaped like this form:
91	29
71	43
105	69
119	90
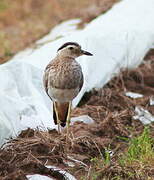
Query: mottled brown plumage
63	80
63	73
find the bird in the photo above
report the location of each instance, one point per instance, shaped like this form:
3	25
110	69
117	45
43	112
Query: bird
63	80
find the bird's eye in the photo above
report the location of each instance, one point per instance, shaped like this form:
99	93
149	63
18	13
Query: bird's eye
71	48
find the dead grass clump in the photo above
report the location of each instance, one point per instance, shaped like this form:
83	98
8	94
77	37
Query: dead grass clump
30	155
135	163
33	149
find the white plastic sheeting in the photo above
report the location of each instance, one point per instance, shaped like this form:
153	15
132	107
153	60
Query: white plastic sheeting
41	177
38	177
118	39
143	115
152	101
133	95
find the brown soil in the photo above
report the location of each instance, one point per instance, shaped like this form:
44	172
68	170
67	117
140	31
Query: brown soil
23	22
112	112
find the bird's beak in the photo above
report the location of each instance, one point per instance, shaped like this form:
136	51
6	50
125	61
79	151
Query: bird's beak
86	53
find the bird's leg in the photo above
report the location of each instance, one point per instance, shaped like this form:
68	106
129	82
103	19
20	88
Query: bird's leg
68	120
58	121
59	128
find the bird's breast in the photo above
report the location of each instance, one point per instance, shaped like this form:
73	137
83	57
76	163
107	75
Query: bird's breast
65	76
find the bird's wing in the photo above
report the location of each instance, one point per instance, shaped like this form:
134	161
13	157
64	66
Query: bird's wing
45	81
81	82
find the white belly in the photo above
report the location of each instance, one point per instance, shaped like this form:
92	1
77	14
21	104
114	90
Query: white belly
63	95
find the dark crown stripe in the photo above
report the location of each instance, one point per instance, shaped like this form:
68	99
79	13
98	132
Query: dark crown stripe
67	44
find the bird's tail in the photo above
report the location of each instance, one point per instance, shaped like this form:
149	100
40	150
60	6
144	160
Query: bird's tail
60	110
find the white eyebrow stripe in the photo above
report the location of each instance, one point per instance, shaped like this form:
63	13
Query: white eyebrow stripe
69	44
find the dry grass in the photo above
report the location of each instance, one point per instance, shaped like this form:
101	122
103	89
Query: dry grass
88	145
22	22
136	163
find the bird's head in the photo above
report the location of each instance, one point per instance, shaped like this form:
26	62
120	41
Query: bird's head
72	49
